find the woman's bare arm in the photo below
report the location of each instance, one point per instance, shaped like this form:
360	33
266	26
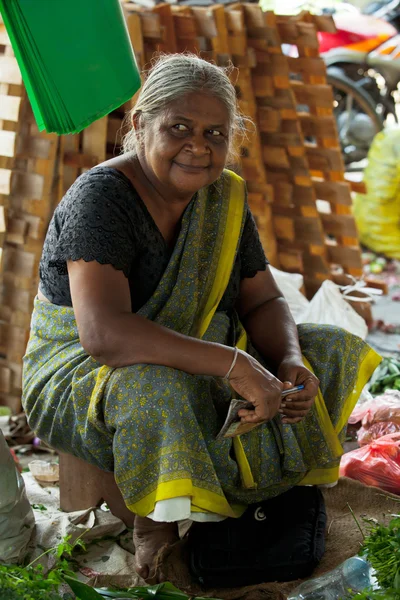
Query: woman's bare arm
267	319
115	336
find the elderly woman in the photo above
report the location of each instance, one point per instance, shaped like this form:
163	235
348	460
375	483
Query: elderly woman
156	306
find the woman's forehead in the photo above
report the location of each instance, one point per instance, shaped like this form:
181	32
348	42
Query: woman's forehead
198	106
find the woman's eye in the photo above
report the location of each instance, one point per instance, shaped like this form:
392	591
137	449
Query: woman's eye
215	132
180	127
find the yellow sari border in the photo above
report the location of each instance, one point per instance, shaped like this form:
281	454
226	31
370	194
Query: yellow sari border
201	500
331	474
228	250
324	419
224	269
367	367
102	379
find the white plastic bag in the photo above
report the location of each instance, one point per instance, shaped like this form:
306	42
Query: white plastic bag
290	285
16	514
328	307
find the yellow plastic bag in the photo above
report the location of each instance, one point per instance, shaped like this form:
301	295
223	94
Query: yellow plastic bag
378	211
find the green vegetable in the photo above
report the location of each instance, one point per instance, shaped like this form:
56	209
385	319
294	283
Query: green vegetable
376	595
386	376
381	547
393	368
41	507
376	268
30	584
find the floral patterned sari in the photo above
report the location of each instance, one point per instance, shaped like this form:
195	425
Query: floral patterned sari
155	426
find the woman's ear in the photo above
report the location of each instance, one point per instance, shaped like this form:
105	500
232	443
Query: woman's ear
136	120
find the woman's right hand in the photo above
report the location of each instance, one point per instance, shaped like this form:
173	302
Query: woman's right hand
256	385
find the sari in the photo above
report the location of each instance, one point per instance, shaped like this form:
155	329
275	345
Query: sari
156	426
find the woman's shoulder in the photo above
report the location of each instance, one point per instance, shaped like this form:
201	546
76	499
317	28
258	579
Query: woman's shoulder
105	180
101	189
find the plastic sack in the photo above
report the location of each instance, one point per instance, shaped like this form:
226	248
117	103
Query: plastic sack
379	416
328	307
378	408
361	407
16	514
290	285
366	435
377	464
377	212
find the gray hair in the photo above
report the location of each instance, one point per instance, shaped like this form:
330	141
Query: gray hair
173	76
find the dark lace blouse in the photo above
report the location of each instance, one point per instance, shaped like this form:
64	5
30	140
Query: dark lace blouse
103	218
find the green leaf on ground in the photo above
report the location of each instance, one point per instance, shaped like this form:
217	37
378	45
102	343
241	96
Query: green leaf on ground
39	507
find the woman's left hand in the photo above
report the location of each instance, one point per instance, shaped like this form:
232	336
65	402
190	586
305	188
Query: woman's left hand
292	372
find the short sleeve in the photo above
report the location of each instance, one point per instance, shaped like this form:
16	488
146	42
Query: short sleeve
94	223
251	252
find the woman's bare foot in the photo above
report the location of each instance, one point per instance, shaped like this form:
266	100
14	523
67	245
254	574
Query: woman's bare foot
149	537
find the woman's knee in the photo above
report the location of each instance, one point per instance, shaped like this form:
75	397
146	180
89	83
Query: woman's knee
153	387
310	333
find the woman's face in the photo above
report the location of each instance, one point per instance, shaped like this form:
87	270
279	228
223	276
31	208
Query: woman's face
186	147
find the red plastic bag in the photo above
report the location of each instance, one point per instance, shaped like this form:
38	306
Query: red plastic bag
376	464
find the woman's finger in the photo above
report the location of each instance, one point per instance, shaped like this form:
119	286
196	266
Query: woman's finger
252	417
306	405
310	391
311	385
287	385
245	412
293	413
291	421
303	396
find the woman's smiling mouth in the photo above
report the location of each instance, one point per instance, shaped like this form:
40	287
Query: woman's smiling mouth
191	168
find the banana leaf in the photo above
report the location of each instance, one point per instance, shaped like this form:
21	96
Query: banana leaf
162	591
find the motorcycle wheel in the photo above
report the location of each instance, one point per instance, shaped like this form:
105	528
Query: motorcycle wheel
356	118
367	78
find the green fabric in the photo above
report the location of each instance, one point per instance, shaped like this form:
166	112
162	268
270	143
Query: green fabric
75	57
155	425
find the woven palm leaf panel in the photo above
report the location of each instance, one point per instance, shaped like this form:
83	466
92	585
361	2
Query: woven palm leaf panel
27	180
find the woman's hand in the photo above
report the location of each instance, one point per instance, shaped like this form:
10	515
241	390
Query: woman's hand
292	372
258	386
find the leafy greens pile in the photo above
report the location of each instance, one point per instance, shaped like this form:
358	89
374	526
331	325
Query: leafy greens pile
33	583
381	547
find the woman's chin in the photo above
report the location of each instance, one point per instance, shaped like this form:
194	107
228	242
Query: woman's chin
192	182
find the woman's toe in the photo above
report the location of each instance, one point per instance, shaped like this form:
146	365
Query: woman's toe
143	571
149	538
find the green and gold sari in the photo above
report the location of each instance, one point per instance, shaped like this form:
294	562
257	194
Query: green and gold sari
156	427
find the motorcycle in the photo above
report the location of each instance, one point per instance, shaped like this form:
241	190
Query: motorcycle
363	66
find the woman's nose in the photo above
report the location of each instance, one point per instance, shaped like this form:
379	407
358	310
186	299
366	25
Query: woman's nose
198	145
